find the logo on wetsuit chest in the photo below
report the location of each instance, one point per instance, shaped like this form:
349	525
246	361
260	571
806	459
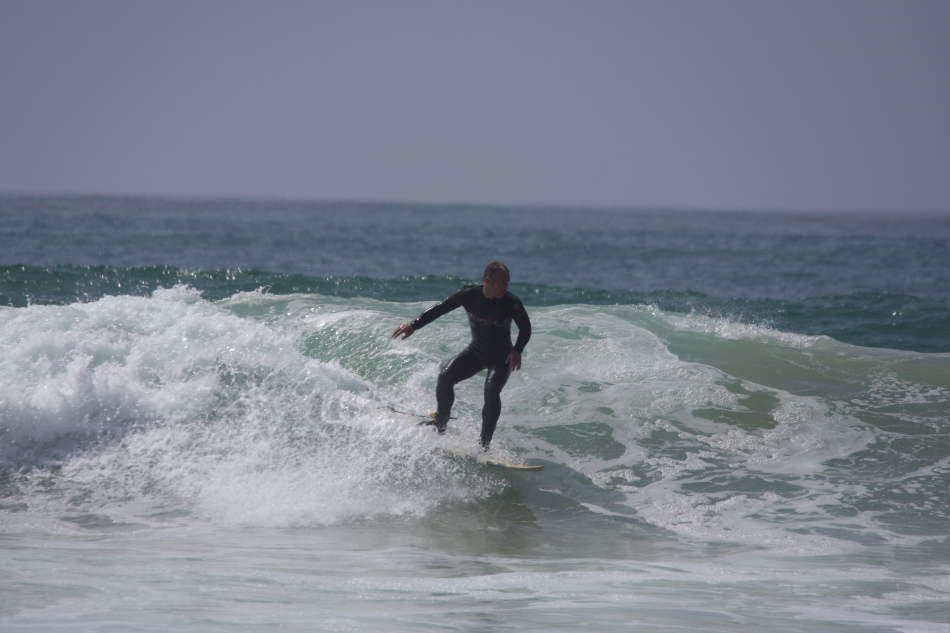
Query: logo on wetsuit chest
503	323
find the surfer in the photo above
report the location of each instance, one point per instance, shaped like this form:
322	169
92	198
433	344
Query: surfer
490	308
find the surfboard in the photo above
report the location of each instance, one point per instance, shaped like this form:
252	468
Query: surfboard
491	460
480	458
525	468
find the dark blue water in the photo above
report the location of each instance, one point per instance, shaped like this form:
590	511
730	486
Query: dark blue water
879	280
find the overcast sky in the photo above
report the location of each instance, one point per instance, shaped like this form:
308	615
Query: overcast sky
798	104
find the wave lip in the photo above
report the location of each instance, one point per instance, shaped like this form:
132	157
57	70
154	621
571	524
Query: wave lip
874	319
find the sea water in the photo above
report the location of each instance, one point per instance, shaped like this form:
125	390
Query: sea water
743	419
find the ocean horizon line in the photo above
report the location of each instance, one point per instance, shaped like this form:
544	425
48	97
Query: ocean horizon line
458	204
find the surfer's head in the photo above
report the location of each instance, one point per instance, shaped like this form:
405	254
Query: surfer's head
496	280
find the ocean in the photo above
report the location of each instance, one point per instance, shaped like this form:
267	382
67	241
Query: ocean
743	418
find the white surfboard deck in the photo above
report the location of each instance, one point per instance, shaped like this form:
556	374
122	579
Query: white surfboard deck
526	468
491	460
511	465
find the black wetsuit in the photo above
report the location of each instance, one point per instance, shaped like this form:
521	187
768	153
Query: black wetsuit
490	320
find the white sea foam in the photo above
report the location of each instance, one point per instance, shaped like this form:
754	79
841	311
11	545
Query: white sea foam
171	397
733	329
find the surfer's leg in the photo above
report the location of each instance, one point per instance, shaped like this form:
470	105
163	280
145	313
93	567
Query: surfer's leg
463	366
494	383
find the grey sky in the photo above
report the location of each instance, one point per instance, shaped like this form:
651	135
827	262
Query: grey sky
714	104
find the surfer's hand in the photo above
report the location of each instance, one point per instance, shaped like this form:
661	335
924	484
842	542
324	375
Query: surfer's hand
404	331
514	361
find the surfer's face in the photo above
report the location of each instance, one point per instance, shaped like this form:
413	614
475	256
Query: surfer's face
495	285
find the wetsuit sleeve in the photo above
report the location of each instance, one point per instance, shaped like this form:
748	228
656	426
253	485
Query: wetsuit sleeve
524	327
438	310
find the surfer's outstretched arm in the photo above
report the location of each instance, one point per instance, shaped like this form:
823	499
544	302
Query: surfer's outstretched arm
406	329
439	309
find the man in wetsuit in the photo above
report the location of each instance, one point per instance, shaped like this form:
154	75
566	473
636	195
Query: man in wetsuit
490	309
